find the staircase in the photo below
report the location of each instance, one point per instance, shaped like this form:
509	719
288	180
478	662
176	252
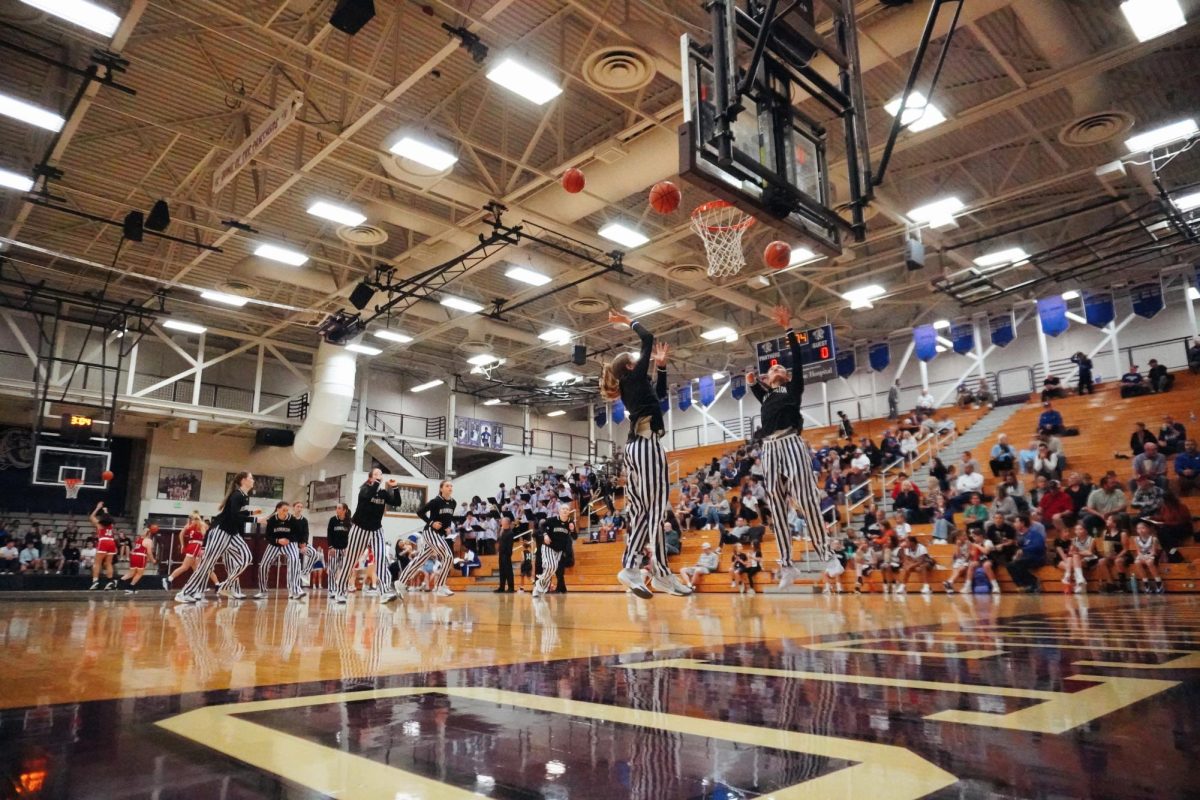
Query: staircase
979	439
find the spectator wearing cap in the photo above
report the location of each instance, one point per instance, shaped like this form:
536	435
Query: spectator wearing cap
1171	436
1187	468
1151	464
706	563
1160	380
1132	384
1049	421
1147	498
1055	502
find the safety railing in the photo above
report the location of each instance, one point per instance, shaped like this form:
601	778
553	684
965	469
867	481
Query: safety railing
392	425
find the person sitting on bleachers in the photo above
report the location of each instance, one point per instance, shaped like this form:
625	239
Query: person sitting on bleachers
908	502
968	483
1030	554
1140	438
10	557
1054	502
706	514
1105	499
1152	464
1046	463
889	447
1173	524
1160	380
1026	456
1132	384
1187	468
706	563
873	452
975	512
1004	505
963	396
1079	488
983	393
1193	356
914	557
1049	421
1052	388
1148	496
1171	436
925	403
30	558
1002	457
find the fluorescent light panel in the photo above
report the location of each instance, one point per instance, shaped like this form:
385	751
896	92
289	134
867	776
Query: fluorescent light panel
459	304
716	376
30	114
1166	134
185	327
424	153
1150	19
562	376
558	413
623	235
919	113
642	306
1070	294
365	349
999	258
524	81
283	255
556	336
235	300
1193	293
80	12
941	324
864	293
720	334
422	387
15	180
525	275
421	454
343	215
800	255
938	213
393	336
495	401
1187	202
482	360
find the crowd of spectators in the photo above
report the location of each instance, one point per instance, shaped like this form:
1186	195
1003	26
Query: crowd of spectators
34	548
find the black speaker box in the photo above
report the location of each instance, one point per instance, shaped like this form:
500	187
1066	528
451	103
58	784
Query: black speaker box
361	295
275	437
351	15
579	355
914	254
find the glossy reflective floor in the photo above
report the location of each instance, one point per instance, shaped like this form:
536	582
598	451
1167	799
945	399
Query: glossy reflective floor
603	696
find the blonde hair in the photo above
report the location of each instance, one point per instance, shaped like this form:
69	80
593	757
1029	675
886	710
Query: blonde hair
611	374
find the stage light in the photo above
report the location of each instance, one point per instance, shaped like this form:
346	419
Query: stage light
459	304
30	114
623	235
343	215
561	376
424	153
862	296
718	376
527	276
422	387
642	306
183	327
720	334
941	324
482	360
1070	294
81	13
237	301
393	336
365	349
283	255
520	79
159	217
15	180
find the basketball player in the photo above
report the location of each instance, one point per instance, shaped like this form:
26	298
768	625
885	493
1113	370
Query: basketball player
139	556
647	487
786	459
556	539
106	546
224	538
308	556
438	515
366	533
191	543
281	543
337	536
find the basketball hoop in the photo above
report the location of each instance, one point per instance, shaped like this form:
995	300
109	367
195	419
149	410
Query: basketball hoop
721	225
72	485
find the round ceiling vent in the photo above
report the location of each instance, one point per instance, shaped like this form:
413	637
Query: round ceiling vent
235	286
619	69
1094	129
475	346
362	235
688	273
587	305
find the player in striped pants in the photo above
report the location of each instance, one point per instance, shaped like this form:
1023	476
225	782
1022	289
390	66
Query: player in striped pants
224	539
281	543
366	533
438	516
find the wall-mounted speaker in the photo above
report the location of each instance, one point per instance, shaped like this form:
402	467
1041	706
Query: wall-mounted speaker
579	355
351	15
275	437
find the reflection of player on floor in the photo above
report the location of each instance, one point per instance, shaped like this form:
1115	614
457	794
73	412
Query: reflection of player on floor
438	515
191	544
647	487
787	462
224	538
106	546
366	533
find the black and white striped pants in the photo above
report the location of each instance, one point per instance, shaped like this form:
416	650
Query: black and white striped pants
361	540
290	553
789	477
308	557
550	559
647	491
333	560
219	543
433	544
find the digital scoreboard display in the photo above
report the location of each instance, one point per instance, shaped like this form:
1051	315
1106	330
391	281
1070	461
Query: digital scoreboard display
817	353
76	428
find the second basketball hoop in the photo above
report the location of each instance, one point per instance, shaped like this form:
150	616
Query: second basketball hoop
721	225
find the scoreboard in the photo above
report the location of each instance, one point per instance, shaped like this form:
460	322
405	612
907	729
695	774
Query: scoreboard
817	353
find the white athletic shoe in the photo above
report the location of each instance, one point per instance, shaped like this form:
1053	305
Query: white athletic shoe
633	581
371	592
305	581
787	576
949	587
341	600
401	589
260	595
387	598
926	590
184	598
901	589
749	591
166	584
444	591
671	585
535	594
995	587
95	585
130	591
886	588
1080	588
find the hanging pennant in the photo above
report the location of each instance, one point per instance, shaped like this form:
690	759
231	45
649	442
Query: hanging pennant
880	355
737	386
1052	311
618	412
685	397
1002	329
1098	308
664	404
601	417
925	342
962	334
1147	299
708	391
846	363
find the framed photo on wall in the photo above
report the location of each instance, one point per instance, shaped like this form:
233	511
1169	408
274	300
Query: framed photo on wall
179	483
266	487
412	497
325	495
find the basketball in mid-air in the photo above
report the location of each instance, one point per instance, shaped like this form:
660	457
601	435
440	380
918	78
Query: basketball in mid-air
106	475
777	255
665	197
572	180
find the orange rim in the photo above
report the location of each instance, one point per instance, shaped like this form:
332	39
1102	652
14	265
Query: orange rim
713	205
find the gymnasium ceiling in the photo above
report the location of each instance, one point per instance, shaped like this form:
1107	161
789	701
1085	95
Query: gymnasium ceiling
206	72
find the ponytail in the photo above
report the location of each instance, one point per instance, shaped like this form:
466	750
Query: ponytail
237	482
610	387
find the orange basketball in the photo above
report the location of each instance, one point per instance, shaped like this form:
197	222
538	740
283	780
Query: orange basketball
572	180
777	255
665	197
106	475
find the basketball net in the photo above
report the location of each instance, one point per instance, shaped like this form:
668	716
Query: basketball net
720	225
72	485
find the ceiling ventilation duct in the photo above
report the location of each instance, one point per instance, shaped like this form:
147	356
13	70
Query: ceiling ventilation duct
364	235
619	69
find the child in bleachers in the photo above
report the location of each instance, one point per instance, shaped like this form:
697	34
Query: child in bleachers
1146	552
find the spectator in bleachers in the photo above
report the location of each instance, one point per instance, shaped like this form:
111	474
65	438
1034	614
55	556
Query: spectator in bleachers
1152	464
963	396
965	459
914	557
1025	457
1159	379
983	393
1079	489
975	511
10	557
1050	420
893	398
1004	505
52	555
908	502
1187	468
1030	554
1140	438
925	403
872	450
1193	357
967	484
1000	529
1086	386
706	563
673	541
1147	497
1003	456
1173	522
72	558
30	558
1052	387
1115	552
1041	485
1014	487
889	446
1054	503
1046	463
845	427
939	471
1146	551
908	447
1171	436
1105	499
1132	384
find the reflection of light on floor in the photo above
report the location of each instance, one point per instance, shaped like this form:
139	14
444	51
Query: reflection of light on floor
555	768
485	781
411	728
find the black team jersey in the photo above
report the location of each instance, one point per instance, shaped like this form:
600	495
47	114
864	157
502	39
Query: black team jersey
781	405
234	515
337	534
641	399
439	510
373	500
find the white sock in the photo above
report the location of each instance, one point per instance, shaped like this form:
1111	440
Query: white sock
1079	577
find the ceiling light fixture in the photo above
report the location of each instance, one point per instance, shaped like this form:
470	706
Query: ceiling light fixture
460	304
555	336
393	336
623	235
562	376
801	255
422	387
80	12
343	215
15	180
283	255
495	401
1193	293
422	454
919	113
30	114
1070	294
716	376
365	349
482	360
235	300
642	306
424	153
938	214
1188	202
1150	19
941	324
1166	134
183	327
1000	258
724	334
863	295
527	276
558	413
524	81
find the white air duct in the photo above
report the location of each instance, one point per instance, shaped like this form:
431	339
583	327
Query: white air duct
329	400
